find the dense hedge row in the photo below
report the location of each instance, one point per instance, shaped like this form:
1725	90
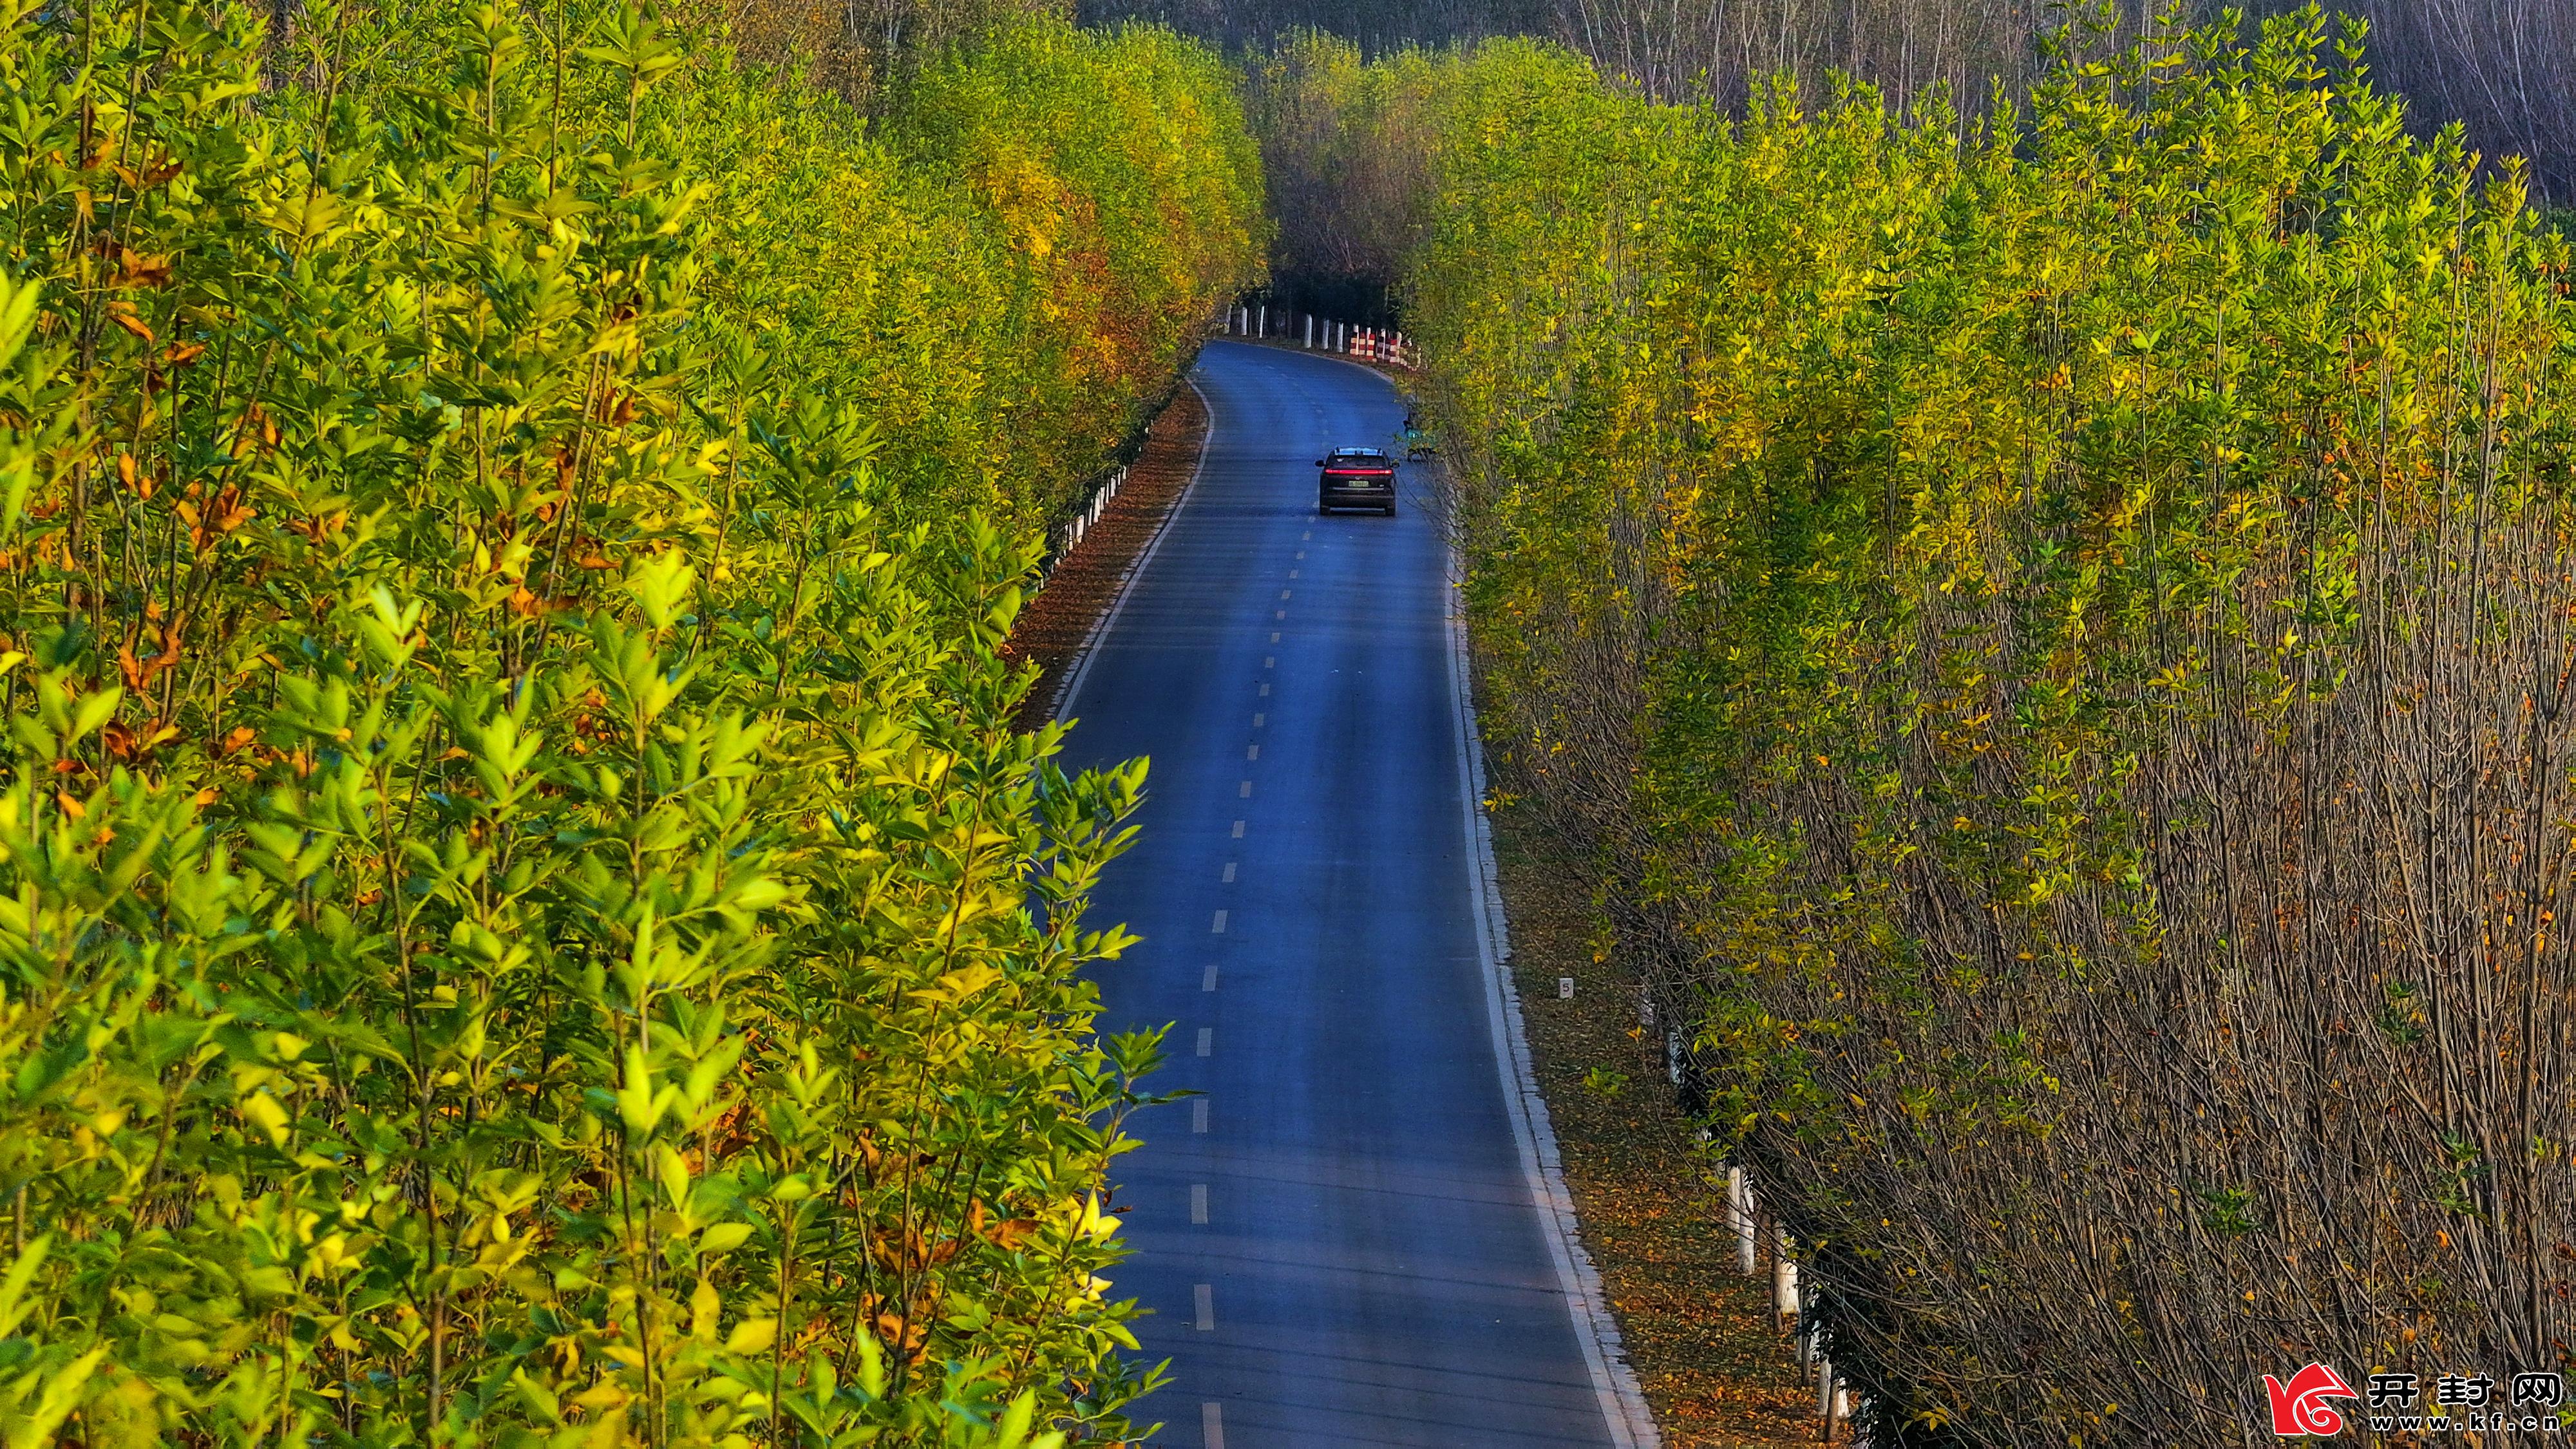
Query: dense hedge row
523	917
2056	643
1023	260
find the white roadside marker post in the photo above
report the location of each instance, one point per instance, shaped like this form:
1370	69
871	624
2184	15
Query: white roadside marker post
1784	1276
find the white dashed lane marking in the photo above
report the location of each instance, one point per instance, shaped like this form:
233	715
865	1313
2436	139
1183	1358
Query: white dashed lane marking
1252	752
1244	791
1212	1425
1217	930
1229	872
1207	1041
1256	721
1207	1307
1207	981
1198	1202
1265	694
1198	1115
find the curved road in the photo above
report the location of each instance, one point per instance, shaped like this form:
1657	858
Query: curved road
1339	1239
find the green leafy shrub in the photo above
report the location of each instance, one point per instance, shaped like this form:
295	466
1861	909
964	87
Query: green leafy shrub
2054	638
525	917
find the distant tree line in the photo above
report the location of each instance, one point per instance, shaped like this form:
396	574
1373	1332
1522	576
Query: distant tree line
856	47
1345	154
2506	69
1378	26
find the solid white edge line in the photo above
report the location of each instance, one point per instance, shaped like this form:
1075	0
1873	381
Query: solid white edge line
1623	1405
1071	690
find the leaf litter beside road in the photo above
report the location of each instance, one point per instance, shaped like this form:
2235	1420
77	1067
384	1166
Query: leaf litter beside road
1052	629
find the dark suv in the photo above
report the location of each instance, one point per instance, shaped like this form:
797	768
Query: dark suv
1356	478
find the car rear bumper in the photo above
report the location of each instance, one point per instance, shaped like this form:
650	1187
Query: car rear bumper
1355	498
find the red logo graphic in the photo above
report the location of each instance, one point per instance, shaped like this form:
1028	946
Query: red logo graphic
2298	1407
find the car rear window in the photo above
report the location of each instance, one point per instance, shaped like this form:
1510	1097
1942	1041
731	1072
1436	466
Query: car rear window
1360	460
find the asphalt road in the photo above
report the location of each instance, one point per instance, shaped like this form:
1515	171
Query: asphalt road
1339	1240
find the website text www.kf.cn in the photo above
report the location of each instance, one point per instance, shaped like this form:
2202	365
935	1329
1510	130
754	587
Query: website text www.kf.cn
2400	1403
2465	1421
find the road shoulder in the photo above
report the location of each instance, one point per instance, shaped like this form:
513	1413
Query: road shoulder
1699	1336
1061	619
1625	1413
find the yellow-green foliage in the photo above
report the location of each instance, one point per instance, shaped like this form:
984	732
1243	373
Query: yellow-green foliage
1027	251
1120	169
2058	639
522	916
